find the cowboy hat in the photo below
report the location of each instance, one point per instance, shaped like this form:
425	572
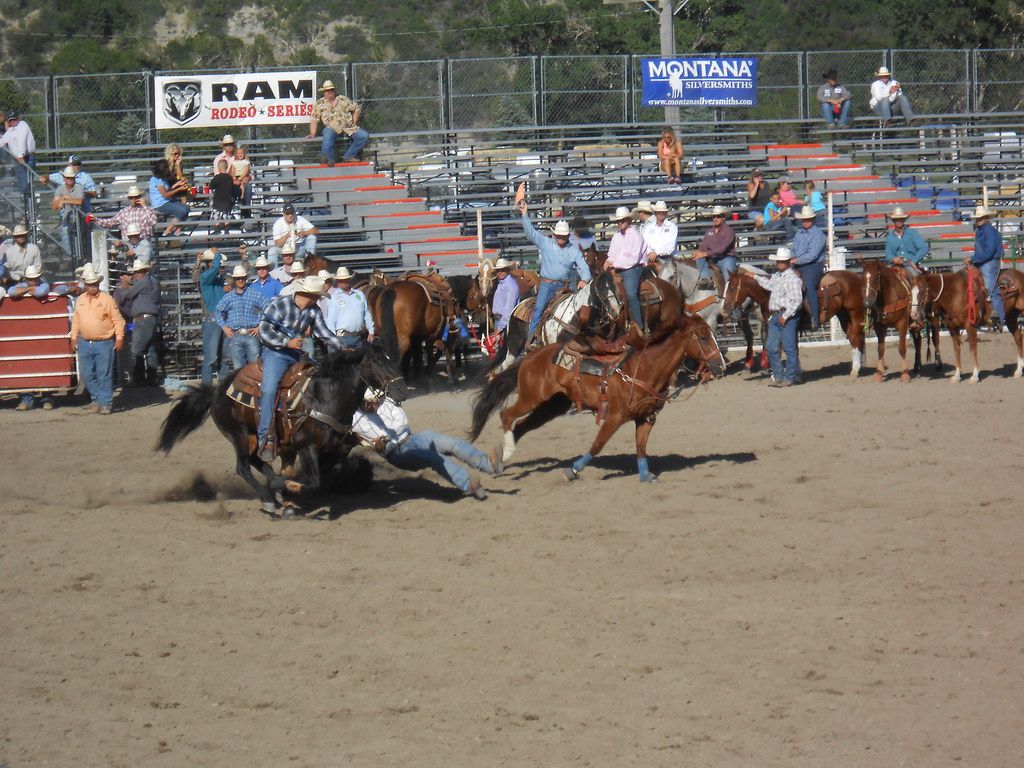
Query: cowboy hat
503	263
898	213
239	272
228	139
79	270
134	191
208	255
579	222
719	210
783	254
342	274
132	230
644	206
622	212
297	268
89	275
288	247
561	229
327	86
311	284
19	230
883	72
660	207
982	212
69	173
140	266
32	272
324	275
262	261
805	213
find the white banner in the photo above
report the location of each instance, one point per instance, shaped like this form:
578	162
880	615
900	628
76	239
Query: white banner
225	101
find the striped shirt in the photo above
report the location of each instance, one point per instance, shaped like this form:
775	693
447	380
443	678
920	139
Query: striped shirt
241	310
787	291
141	215
283	320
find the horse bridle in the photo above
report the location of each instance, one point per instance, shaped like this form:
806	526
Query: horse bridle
385	382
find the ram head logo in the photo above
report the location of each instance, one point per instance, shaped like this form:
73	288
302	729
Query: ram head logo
183	100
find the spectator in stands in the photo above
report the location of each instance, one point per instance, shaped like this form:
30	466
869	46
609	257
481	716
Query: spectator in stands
222	187
887	97
139	292
808	251
296	272
784	308
176	166
136	212
834	100
33	285
21	144
294	230
557	259
627	255
987	257
788	196
904	247
241	174
718	247
582	237
18	256
162	193
642	213
227	154
87	182
662	235
339	115
137	249
239	314
670	155
206	273
758	198
97	332
348	312
264	283
776	216
68	199
812	197
282	273
506	295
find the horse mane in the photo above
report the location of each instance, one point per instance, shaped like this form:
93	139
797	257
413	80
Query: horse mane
336	364
460	285
753	270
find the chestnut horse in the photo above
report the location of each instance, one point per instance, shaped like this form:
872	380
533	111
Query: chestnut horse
635	387
741	292
841	295
945	295
887	298
1011	286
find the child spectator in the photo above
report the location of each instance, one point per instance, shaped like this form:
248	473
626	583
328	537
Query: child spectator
222	188
813	198
241	171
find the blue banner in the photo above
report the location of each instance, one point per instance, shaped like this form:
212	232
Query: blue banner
699	82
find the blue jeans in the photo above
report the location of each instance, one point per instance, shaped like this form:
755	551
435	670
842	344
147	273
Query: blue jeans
429	450
356	142
990	273
21	174
726	265
830	117
631	284
275	364
786	336
30	400
96	363
211	349
172	209
144	341
350	340
302	247
545	293
785	223
244	349
811	275
885	109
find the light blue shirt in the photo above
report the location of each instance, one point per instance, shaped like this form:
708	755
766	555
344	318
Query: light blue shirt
155	198
817	204
911	246
808	246
348	312
555	262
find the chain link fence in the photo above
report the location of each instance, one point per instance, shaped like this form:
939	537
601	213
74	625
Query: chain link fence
936	82
400	95
584	89
999	80
99	110
31	97
856	71
492	92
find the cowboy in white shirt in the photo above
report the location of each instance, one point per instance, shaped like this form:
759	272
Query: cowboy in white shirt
296	271
294	230
662	235
282	272
887	97
19	141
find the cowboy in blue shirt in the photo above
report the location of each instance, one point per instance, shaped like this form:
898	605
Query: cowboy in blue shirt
808	250
988	256
239	312
557	257
903	246
211	289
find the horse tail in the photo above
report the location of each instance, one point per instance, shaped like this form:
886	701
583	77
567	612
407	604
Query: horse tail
387	325
186	416
492	395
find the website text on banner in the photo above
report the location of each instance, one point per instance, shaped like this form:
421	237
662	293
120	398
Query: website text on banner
699	82
224	100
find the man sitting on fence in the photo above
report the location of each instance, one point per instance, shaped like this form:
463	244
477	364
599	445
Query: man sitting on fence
68	199
835	100
135	213
887	97
339	115
21	144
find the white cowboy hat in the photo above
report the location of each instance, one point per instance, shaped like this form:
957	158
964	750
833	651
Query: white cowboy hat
287	248
132	229
79	270
660	207
561	229
898	213
140	266
239	272
883	72
982	212
644	206
20	229
805	213
342	274
69	173
262	261
719	210
783	254
324	275
622	212
297	268
310	284
228	139
327	86
134	191
32	272
89	275
503	263
208	255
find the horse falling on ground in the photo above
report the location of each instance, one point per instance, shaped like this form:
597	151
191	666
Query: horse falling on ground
320	441
633	388
742	294
887	297
1011	287
841	295
945	296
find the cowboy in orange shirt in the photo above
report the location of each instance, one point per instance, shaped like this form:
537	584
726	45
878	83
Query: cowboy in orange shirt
97	331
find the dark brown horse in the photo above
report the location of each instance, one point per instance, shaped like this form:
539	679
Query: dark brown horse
742	291
634	387
946	296
887	298
1011	286
841	295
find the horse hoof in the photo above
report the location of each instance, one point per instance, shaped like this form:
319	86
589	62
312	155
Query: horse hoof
650	477
288	513
905	377
1018	374
569	474
954	380
268	507
973	380
878	377
292	487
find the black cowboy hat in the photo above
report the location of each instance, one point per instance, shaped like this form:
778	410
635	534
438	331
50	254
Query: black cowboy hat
578	222
830	74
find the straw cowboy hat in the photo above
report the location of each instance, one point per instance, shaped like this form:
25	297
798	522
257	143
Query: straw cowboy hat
982	212
19	230
503	263
660	207
644	206
311	284
69	173
324	275
622	212
32	272
262	261
561	229
228	139
783	254
208	255
239	272
132	229
327	86
805	213
297	268
343	274
883	72
288	247
898	213
89	275
140	266
719	210
133	191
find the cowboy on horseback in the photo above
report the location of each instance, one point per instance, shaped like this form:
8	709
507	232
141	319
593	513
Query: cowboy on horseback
627	255
283	328
904	247
506	295
717	247
557	257
988	255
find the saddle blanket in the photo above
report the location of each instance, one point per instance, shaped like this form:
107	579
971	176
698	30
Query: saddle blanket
589	366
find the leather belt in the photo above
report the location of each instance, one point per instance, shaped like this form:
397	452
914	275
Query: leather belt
143	314
556	282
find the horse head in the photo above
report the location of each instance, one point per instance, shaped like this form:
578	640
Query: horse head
701	345
485	276
736	292
872	283
378	371
683	273
605	305
920	297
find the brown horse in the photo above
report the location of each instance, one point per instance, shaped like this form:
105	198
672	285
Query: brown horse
945	295
887	298
841	295
1011	287
741	291
634	386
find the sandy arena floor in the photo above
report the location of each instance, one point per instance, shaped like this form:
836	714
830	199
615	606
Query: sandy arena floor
828	575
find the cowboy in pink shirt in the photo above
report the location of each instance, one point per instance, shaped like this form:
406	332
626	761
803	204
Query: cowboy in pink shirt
627	255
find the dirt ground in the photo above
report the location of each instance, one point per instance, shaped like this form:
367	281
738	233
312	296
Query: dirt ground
825	575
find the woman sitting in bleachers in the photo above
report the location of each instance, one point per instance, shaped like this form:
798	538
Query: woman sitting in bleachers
670	155
162	193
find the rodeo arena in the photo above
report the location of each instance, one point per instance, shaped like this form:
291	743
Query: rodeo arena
537	411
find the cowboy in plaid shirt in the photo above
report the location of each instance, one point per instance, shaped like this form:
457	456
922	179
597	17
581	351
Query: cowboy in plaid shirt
137	213
784	304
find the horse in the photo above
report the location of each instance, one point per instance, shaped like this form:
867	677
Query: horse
887	296
742	293
633	386
684	275
1011	286
320	438
841	295
946	295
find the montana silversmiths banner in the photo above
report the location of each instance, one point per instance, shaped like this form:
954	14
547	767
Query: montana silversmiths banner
696	82
224	100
